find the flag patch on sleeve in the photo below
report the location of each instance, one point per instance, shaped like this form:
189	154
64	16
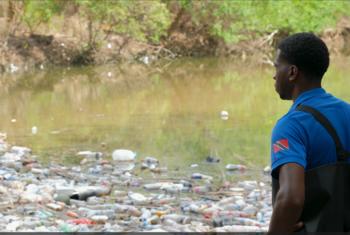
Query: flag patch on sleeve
280	145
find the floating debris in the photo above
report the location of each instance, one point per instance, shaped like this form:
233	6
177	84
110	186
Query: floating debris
235	167
103	195
13	68
34	130
224	115
123	155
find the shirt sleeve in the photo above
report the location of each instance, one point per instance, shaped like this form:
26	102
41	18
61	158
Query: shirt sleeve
287	145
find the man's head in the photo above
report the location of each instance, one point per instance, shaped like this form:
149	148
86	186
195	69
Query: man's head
302	59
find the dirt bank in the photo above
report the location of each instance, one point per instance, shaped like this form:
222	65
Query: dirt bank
65	44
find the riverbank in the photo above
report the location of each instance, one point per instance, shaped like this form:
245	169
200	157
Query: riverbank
67	42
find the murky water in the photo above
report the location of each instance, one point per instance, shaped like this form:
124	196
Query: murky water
170	111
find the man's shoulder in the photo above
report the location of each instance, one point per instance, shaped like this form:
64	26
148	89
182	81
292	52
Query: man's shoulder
288	122
334	100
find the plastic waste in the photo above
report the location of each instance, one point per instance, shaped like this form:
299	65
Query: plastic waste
201	176
224	115
159	170
77	198
146	214
34	130
54	206
137	197
235	167
72	214
83	193
267	170
150	160
172	188
201	189
90	155
123	155
212	159
82	221
99	219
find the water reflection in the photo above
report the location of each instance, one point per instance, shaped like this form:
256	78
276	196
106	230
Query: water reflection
170	111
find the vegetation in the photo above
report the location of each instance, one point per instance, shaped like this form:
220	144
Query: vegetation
162	22
236	20
230	20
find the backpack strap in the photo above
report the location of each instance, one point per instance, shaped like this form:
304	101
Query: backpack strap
342	154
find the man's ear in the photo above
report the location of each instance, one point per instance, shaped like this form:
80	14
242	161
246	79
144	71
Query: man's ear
293	72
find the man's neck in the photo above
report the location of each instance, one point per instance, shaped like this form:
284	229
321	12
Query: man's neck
305	87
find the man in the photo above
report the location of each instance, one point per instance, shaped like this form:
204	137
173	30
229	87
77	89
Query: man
299	141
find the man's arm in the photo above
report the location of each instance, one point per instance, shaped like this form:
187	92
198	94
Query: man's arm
289	201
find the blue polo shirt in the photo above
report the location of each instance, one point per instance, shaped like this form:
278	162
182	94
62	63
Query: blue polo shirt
299	138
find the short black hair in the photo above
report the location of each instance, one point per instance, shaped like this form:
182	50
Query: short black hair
306	51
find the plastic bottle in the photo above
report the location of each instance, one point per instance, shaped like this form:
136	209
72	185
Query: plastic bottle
201	176
82	221
84	193
201	189
235	167
99	219
150	160
153	220
172	188
153	186
146	214
182	219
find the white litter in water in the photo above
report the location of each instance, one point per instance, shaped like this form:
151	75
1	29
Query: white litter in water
224	115
145	59
13	68
41	66
123	155
34	130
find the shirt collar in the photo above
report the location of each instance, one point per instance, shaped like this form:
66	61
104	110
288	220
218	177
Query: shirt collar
306	96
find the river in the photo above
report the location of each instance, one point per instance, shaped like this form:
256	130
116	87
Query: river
170	111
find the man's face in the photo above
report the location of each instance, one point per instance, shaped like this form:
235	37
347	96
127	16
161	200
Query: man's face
283	85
